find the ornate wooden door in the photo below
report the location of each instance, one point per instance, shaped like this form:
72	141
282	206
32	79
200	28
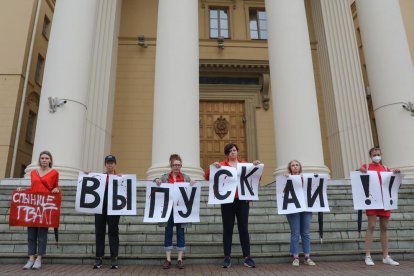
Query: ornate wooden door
221	122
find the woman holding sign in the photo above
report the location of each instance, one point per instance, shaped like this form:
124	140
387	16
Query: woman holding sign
175	175
299	224
384	216
237	209
43	180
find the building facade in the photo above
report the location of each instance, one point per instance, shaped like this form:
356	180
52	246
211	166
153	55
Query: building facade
320	81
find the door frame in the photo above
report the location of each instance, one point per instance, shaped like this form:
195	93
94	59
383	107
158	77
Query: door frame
250	95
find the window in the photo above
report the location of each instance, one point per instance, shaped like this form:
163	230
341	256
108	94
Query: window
219	23
31	122
46	27
258	28
39	69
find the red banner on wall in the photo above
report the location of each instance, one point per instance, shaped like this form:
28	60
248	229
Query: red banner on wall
35	209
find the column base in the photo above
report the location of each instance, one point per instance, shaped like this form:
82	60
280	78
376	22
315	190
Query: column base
305	169
408	171
64	172
195	173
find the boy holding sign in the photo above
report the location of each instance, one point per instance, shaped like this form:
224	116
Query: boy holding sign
384	215
112	220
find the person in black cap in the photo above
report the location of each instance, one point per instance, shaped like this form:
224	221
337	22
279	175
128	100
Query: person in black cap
112	220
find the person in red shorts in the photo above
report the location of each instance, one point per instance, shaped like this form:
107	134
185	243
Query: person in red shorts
384	215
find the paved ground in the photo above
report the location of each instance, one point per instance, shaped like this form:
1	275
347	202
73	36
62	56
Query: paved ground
322	268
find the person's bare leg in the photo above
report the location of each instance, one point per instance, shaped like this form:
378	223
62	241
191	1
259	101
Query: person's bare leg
384	235
368	236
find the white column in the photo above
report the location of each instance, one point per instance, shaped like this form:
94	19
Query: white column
347	117
176	95
102	90
391	77
66	76
296	118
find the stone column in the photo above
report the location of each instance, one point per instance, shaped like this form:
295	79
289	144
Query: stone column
391	77
296	119
66	76
347	117
101	96
176	95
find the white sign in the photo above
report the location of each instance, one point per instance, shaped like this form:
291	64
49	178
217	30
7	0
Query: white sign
122	195
223	185
90	193
289	194
158	203
315	190
366	190
186	205
248	180
391	183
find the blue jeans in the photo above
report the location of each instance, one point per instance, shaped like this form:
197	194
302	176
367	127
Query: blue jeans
37	240
168	246
299	226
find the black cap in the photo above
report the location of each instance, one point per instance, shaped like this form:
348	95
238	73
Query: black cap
110	158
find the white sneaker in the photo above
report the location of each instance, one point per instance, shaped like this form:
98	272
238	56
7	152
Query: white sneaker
37	264
29	264
295	262
368	260
308	261
390	261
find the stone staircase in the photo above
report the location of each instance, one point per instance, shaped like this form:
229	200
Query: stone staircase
142	243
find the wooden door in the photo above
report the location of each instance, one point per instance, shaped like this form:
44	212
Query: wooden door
221	122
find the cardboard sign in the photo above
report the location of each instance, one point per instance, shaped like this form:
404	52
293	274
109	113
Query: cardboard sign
366	190
315	190
222	185
290	194
248	180
122	195
186	198
158	204
391	183
35	209
90	193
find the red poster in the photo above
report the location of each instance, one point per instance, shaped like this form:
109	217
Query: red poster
35	209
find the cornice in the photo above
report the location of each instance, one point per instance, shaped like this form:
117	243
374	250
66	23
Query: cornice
235	65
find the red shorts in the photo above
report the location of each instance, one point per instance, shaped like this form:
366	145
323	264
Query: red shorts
379	213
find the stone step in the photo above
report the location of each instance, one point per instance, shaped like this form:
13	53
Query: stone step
205	236
256	247
271	222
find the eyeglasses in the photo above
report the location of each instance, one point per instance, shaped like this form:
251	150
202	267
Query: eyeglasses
176	165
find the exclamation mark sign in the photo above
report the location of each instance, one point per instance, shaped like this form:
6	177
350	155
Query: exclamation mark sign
390	188
365	185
